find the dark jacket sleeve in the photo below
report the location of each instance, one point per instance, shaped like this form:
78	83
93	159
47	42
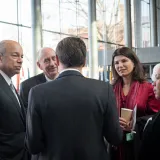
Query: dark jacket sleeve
112	130
24	95
149	148
34	136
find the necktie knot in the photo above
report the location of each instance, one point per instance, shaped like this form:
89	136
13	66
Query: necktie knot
12	86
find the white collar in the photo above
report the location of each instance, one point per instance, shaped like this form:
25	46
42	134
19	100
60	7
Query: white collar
69	69
7	79
48	79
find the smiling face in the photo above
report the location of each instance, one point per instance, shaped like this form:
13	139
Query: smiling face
48	63
123	66
11	58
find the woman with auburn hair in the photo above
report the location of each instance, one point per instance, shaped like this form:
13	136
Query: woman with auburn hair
131	89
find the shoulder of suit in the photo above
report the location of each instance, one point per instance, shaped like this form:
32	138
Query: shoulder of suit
97	81
32	79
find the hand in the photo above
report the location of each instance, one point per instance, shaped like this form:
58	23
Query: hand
126	126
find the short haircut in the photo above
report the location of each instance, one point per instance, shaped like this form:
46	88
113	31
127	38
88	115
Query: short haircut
138	72
71	52
3	47
40	52
5	44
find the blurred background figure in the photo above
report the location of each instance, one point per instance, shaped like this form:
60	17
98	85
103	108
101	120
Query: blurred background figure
151	139
155	72
146	73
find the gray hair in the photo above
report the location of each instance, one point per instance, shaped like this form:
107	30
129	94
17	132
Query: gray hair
40	52
155	69
3	47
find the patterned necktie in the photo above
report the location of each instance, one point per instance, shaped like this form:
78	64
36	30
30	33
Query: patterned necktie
14	91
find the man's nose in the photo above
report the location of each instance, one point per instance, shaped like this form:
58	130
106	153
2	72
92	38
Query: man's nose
20	59
52	62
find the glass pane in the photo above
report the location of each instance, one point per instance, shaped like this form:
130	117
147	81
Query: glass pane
158	21
9	32
110	21
24	12
50	39
8	11
158	27
50	15
25	39
145	24
82	18
147	1
133	23
68	16
158	3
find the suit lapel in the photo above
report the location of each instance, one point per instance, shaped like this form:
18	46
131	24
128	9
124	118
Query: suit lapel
10	94
41	78
22	110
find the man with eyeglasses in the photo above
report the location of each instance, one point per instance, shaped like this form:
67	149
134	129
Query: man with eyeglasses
151	136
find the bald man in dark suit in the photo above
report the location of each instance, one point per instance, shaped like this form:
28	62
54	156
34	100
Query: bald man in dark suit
12	112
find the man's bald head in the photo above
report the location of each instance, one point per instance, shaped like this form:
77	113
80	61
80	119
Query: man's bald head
7	44
2	47
11	57
43	51
47	62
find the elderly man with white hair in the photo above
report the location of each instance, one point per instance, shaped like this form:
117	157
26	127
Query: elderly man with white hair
48	64
156	80
151	136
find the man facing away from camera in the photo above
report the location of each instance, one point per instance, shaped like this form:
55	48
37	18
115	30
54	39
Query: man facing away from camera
69	117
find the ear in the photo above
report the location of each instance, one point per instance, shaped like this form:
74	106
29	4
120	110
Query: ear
57	59
38	64
1	57
84	62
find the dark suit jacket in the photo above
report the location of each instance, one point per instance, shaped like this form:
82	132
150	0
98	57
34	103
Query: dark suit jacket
28	84
12	125
150	144
68	119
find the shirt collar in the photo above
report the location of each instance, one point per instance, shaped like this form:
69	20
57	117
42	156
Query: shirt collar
69	69
7	79
48	79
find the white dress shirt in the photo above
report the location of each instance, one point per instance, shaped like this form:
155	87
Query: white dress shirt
9	82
